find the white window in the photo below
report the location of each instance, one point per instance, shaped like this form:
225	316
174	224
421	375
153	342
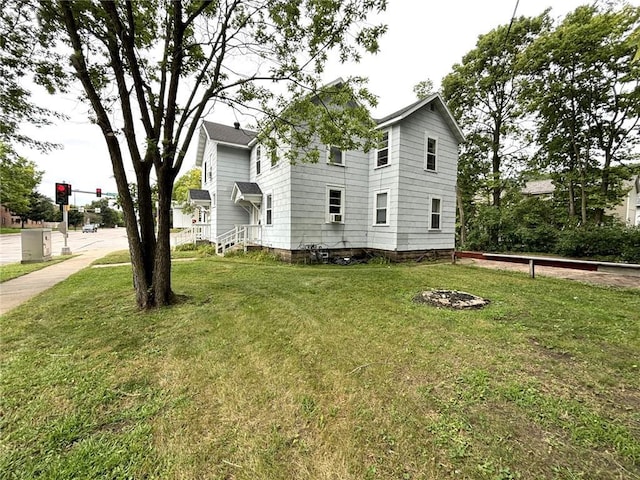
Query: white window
335	156
381	214
382	154
258	155
269	209
335	204
430	152
436	212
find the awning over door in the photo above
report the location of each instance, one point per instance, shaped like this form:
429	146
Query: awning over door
200	198
246	193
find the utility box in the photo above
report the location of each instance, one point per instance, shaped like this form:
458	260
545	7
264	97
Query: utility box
36	245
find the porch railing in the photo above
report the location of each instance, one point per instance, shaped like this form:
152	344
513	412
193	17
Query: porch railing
195	233
240	235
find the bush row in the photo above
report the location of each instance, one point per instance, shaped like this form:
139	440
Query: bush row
611	242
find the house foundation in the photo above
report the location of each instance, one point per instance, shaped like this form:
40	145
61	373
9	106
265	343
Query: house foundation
325	255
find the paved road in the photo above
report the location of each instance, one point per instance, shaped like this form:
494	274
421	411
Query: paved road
104	239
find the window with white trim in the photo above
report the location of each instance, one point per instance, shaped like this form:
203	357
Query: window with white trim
335	204
258	158
269	209
430	152
335	156
381	214
382	154
436	213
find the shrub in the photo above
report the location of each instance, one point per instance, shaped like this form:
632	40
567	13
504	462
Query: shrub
611	242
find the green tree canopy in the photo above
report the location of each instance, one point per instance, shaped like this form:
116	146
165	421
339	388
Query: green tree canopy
483	94
151	70
17	62
585	94
190	180
18	179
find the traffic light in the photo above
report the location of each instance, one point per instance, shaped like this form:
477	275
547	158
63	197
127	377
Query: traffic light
62	193
98	192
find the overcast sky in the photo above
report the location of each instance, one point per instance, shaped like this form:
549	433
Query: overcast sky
425	39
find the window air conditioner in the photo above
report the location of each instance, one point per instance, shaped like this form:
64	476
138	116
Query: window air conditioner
335	218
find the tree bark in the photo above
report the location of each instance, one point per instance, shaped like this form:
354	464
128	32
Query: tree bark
461	215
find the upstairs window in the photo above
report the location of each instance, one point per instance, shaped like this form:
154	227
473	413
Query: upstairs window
335	156
436	211
431	153
258	158
382	155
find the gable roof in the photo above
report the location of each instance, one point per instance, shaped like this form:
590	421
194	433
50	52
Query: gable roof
403	113
195	195
222	134
228	135
246	192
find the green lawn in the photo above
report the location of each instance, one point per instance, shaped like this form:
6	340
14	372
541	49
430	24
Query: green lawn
271	371
14	270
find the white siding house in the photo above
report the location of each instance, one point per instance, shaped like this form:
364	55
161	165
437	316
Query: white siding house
398	200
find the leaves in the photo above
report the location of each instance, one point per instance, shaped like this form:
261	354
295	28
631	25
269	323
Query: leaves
18	179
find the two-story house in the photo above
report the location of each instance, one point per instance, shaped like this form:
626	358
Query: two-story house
398	200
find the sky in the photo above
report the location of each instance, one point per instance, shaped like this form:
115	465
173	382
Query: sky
425	38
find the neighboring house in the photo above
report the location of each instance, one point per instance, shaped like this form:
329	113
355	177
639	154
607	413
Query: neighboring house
398	200
539	188
627	211
10	220
201	200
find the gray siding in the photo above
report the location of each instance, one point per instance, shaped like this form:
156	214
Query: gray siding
232	166
276	181
309	186
299	192
417	186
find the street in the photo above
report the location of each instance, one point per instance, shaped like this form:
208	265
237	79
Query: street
78	242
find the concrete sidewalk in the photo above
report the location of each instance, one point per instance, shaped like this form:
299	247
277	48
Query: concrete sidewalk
17	291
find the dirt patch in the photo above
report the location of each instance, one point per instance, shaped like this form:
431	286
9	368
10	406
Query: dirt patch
451	299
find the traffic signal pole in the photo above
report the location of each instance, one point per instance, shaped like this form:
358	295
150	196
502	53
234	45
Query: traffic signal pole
63	191
65	223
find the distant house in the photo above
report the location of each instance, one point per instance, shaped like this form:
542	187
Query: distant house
539	188
398	201
627	211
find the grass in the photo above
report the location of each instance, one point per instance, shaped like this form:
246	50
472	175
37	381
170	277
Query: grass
271	371
122	256
7	230
15	270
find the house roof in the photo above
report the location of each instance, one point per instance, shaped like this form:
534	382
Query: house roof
539	187
229	135
435	98
246	193
222	134
199	195
249	188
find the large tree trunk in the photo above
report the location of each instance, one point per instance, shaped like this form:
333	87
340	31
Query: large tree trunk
463	227
572	199
162	266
